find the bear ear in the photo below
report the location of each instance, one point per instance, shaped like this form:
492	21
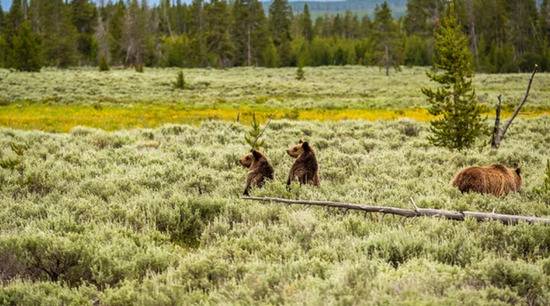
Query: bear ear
305	146
300	141
257	155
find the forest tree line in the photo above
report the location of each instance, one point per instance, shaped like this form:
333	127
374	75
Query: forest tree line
504	35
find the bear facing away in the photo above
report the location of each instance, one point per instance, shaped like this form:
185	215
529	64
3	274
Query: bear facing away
259	170
305	168
497	180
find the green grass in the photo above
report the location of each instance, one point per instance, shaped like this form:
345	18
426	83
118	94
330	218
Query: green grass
353	87
153	216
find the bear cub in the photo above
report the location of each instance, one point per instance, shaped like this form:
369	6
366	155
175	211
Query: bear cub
259	170
305	168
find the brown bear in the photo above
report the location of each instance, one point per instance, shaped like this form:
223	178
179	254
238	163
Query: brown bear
497	180
259	170
305	168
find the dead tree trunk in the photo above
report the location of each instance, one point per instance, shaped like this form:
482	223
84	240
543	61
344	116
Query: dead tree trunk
499	133
248	47
410	213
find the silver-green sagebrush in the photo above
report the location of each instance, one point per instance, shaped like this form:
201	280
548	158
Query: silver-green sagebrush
154	217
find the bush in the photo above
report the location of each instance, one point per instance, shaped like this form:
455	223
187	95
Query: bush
300	74
180	81
103	65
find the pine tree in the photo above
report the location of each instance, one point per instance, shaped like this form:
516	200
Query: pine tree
454	102
218	39
300	74
249	32
84	19
253	137
306	24
3	44
387	38
115	25
103	64
180	81
280	14
422	16
197	30
103	47
545	18
1	18
51	19
12	22
134	35
26	49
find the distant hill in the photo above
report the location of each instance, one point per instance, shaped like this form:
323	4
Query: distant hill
360	7
317	7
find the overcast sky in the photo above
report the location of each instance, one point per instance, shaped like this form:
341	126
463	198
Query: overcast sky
7	3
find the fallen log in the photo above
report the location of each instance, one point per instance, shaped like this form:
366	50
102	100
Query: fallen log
411	213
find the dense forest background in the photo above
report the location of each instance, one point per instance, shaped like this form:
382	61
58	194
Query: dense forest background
505	35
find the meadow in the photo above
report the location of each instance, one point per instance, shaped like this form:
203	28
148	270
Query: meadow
117	192
58	100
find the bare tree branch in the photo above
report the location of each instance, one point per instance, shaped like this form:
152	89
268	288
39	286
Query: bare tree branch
500	133
518	108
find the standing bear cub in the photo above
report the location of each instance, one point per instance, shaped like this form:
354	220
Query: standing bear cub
305	168
259	170
497	180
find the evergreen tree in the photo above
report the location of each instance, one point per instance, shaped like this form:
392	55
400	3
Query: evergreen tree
218	39
12	22
52	21
544	18
103	64
249	32
102	38
254	135
422	16
306	24
350	25
165	22
300	74
3	44
84	19
26	49
387	38
115	26
454	102
1	18
524	33
134	35
180	81
197	31
280	14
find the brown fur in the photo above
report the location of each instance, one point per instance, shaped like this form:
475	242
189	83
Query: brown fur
259	170
497	180
305	168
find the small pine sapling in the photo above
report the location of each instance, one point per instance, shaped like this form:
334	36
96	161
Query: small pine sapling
300	74
180	81
253	137
103	65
